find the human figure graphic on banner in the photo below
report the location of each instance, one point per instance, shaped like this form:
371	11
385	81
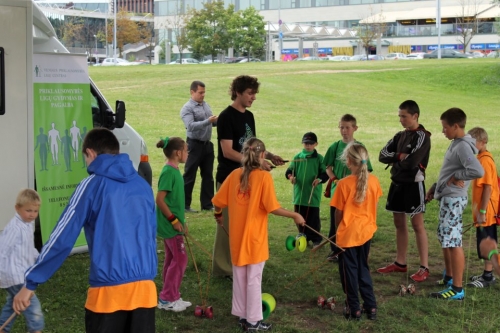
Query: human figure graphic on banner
76	138
42	140
54	146
84	133
66	149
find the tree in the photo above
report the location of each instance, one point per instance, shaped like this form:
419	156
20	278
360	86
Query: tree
146	35
208	30
80	31
177	23
250	34
467	21
370	29
127	31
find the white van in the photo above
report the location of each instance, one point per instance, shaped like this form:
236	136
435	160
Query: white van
25	34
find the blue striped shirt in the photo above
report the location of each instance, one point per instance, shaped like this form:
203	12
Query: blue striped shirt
17	251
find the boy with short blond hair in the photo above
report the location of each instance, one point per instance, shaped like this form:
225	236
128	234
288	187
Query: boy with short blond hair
484	205
336	169
17	254
459	168
408	154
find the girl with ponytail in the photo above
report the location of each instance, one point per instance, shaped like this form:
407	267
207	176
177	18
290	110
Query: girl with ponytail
355	201
249	194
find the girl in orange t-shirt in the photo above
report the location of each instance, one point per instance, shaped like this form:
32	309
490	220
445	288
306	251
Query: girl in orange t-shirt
355	201
249	194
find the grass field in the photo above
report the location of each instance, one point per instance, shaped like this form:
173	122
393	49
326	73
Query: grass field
296	98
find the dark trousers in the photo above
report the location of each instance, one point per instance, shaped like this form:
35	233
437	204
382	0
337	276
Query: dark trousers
355	275
311	215
333	230
201	155
141	320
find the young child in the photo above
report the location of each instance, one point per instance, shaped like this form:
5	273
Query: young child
484	205
336	169
171	223
249	194
459	168
17	254
306	173
408	154
355	201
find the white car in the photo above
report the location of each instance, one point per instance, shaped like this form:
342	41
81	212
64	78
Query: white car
116	62
395	56
185	61
339	58
209	61
415	56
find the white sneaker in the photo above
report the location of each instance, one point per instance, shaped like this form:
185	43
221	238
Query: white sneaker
185	303
171	306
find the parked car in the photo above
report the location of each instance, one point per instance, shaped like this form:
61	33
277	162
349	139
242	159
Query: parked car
116	62
339	58
185	61
415	56
493	54
248	60
477	54
233	60
358	57
210	61
395	56
307	59
375	57
445	53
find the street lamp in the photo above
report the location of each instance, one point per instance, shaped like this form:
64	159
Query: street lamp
96	57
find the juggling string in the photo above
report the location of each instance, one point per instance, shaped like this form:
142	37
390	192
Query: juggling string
203	299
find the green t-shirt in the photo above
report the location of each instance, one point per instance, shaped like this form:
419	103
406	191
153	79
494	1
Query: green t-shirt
332	158
306	167
172	182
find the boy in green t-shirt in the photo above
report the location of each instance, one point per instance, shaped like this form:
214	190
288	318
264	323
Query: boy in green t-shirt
336	169
306	172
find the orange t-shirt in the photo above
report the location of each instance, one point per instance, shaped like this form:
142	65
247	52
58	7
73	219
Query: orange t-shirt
490	177
128	296
359	221
248	215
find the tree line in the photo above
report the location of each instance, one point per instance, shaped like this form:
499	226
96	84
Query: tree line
209	31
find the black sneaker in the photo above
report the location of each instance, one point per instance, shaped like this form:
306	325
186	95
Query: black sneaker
243	324
371	314
259	326
333	257
190	210
351	315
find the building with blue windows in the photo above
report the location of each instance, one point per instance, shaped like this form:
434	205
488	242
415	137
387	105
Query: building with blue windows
329	26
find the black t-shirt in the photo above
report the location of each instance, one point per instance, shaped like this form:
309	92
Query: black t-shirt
238	127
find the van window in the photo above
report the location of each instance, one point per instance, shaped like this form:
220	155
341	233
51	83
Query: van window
2	82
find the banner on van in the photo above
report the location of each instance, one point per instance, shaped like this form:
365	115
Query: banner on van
62	117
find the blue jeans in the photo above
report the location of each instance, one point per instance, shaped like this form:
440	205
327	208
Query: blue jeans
33	314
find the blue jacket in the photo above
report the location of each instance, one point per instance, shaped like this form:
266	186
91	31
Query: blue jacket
116	208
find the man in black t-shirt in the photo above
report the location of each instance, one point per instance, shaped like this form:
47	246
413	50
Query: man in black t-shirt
234	126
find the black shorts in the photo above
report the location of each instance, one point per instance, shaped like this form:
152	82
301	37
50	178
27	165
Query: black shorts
406	198
482	233
140	320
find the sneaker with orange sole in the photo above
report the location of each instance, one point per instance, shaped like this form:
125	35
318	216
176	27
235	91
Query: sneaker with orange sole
421	275
392	268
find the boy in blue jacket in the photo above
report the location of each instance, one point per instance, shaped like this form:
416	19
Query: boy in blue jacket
116	209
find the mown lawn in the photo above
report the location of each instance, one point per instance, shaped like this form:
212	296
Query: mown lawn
296	98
